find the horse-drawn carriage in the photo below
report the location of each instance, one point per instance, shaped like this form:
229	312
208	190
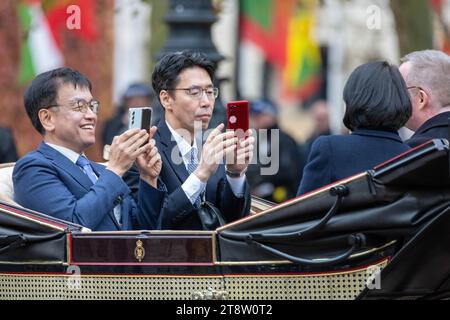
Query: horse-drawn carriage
383	233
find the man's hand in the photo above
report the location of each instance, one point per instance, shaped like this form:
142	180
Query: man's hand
125	149
215	148
243	154
150	163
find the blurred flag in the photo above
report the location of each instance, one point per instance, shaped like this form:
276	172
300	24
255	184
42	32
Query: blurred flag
39	50
444	36
283	30
42	22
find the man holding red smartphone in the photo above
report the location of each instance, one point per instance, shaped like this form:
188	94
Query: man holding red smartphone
193	171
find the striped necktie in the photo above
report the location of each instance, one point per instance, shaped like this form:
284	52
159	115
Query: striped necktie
87	168
191	165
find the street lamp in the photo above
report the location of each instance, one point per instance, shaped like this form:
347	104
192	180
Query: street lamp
190	24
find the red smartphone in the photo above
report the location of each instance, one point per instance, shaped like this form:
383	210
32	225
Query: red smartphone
238	117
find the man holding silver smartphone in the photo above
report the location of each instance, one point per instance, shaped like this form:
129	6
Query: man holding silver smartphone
57	179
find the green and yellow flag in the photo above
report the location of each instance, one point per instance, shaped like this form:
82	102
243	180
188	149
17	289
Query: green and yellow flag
284	32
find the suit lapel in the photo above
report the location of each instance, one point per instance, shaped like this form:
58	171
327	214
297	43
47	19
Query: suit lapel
74	171
65	164
169	147
99	169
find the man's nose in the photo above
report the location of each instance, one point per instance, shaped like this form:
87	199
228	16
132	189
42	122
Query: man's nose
90	114
204	99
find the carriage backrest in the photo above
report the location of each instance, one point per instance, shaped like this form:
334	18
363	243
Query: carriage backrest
6	183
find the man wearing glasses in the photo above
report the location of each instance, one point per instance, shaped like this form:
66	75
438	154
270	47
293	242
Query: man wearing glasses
57	179
427	75
192	170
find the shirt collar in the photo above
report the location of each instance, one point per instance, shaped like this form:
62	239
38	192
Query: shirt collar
182	144
70	154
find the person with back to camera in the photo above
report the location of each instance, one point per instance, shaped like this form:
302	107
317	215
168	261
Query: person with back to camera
377	106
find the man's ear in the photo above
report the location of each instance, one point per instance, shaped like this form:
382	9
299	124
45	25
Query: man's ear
166	99
424	99
46	118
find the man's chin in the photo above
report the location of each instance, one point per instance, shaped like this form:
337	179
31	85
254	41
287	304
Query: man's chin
204	124
89	143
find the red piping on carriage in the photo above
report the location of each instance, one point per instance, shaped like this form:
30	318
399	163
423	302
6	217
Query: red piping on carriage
20	212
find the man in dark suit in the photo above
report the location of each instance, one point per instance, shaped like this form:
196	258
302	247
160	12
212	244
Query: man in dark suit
427	75
8	151
58	180
192	170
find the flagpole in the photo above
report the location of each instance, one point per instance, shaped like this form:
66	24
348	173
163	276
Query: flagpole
335	65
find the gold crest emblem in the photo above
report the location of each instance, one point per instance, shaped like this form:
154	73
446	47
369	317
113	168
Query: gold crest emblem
139	251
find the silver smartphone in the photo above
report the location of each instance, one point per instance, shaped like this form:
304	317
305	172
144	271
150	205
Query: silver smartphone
140	118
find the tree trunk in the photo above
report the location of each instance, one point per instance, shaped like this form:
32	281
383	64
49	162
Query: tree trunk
414	24
12	111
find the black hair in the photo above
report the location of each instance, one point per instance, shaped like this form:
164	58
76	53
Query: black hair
168	68
376	97
43	91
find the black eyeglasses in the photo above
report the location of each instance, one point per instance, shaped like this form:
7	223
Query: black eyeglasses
196	92
82	106
417	87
